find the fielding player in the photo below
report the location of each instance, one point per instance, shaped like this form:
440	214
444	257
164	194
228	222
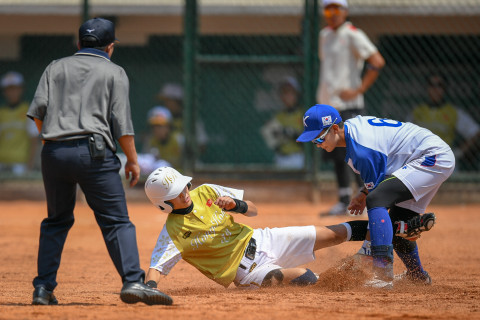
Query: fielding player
200	229
402	166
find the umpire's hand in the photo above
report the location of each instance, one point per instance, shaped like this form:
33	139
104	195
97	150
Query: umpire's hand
134	169
131	167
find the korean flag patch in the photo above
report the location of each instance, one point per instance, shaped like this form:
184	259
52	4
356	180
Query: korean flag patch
369	185
327	121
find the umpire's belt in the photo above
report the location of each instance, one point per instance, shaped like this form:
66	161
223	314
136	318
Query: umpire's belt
250	251
72	142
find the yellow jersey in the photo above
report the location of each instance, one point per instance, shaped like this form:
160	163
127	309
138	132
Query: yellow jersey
281	132
170	150
14	136
442	120
294	122
208	237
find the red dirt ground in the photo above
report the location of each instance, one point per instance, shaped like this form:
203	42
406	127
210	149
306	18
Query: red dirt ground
89	285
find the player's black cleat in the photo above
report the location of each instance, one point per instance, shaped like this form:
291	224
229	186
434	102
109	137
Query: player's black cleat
412	228
42	296
140	292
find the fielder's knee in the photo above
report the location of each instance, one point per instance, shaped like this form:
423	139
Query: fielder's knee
305	279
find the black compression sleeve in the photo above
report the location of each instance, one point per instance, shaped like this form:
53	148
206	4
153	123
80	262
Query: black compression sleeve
387	193
359	229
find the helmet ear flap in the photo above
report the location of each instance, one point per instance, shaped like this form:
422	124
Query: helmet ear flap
167	207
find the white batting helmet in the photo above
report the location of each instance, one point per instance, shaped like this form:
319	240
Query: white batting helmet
165	184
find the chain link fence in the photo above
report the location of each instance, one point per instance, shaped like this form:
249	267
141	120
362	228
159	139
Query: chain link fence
248	54
430	78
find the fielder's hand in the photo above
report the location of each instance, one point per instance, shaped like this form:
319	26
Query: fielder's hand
226	203
358	204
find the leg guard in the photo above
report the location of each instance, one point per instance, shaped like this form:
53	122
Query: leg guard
383	252
305	279
383	262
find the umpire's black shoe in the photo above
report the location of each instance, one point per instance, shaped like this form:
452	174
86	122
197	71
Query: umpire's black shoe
42	296
134	292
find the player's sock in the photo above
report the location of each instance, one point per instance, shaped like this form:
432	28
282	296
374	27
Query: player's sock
366	248
381	235
411	261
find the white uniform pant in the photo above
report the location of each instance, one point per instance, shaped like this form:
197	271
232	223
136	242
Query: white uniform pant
424	176
277	248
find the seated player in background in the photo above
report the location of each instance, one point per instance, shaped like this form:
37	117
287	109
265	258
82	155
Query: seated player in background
18	134
163	145
454	125
281	131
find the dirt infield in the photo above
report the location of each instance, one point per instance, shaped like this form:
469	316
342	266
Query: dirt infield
89	285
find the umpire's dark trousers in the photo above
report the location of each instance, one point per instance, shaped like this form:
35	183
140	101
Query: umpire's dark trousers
64	165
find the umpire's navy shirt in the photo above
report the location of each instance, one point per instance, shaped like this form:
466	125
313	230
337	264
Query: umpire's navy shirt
82	94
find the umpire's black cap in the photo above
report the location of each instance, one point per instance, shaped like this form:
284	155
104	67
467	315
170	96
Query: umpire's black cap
101	29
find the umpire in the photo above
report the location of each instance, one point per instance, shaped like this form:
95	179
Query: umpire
80	107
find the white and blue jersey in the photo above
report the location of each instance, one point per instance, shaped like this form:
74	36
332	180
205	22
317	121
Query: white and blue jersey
377	148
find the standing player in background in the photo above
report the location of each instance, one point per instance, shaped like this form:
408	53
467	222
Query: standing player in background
403	166
81	107
18	135
343	51
201	230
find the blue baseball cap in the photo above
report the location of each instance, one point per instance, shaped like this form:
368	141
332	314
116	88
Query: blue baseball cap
101	29
317	118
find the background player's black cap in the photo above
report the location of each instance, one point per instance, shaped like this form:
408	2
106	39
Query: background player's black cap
102	30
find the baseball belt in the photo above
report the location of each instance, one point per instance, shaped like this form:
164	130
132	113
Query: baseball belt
250	251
